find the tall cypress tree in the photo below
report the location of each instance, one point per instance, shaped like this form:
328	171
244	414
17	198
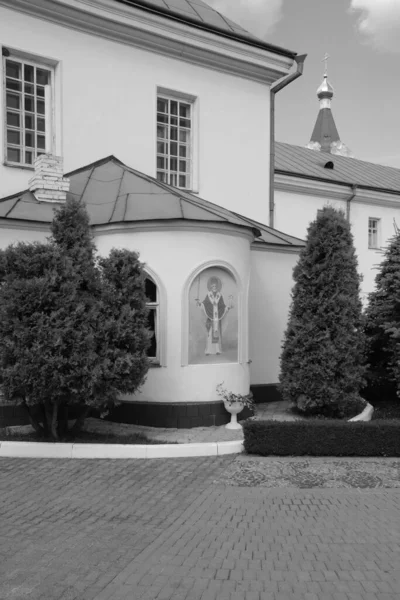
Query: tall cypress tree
322	359
71	333
383	327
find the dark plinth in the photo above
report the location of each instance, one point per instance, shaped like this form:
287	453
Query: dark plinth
266	392
173	415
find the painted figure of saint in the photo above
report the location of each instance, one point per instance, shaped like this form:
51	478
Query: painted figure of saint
215	310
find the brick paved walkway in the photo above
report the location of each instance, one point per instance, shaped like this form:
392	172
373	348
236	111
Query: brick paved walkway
171	530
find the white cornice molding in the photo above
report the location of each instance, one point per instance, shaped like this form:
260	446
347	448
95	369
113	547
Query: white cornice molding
6	223
135	27
334	191
264	247
172	225
310	187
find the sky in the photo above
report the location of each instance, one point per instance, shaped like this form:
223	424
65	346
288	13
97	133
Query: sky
362	38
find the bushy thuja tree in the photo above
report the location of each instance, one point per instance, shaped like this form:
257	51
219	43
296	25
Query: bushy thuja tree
72	332
383	327
323	350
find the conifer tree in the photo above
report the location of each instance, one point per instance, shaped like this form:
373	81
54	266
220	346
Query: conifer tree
323	349
383	326
63	341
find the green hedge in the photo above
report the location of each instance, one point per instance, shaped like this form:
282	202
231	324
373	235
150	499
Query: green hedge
316	437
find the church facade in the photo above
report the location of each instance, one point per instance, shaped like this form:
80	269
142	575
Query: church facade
157	117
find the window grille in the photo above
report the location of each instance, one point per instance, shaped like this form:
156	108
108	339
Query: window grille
174	142
27	104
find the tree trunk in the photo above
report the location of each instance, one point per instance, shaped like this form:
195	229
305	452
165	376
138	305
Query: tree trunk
62	420
54	423
33	421
47	417
80	420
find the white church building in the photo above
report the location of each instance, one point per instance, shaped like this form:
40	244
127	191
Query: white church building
156	113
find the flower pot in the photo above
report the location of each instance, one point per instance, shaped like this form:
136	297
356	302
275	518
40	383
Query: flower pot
233	408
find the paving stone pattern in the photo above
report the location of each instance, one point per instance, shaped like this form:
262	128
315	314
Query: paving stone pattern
306	472
175	530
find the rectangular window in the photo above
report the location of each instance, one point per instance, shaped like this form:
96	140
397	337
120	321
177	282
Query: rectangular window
373	233
174	141
27	108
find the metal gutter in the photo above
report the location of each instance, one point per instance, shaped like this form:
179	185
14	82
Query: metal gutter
274	90
348	201
165	12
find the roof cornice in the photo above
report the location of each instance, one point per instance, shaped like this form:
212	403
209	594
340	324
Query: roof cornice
133	26
174	225
312	186
6	223
260	246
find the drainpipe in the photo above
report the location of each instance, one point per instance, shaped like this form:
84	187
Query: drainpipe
353	195
274	90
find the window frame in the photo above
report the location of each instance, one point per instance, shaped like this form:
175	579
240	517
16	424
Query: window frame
173	95
49	99
374	231
155	306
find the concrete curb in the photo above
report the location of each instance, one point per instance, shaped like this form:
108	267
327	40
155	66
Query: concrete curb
49	450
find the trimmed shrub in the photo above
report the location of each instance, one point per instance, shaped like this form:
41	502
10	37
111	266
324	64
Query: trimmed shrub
383	328
322	438
323	350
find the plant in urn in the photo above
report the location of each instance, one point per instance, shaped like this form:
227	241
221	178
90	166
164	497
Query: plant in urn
234	404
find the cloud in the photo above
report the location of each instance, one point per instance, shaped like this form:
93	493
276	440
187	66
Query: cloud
258	17
379	20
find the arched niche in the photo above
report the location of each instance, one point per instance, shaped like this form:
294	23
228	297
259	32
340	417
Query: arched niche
213	316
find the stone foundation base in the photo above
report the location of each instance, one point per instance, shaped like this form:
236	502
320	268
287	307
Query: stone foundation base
174	415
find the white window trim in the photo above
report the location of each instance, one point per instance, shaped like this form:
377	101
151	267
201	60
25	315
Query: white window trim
378	233
160	320
53	118
194	101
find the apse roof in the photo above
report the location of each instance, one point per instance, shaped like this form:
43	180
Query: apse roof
199	14
302	162
115	193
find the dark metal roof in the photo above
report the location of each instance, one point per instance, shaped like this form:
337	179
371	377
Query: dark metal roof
302	162
325	131
115	193
199	14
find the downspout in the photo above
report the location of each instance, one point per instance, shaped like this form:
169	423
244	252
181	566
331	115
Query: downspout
353	195
274	90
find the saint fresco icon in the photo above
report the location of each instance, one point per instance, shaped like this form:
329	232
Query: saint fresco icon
213	324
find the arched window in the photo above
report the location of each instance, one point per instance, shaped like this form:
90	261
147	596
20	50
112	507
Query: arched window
153	319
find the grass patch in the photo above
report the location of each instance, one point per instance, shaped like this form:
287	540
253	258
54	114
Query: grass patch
315	437
86	437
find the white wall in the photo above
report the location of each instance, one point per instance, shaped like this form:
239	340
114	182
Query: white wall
106	101
294	213
186	251
11	235
369	259
269	300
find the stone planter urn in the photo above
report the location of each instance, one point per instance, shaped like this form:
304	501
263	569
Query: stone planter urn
234	408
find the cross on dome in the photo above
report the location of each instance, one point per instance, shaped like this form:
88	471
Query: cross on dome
325	60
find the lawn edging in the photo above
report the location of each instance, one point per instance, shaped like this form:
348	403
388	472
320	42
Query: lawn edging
325	437
116	451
